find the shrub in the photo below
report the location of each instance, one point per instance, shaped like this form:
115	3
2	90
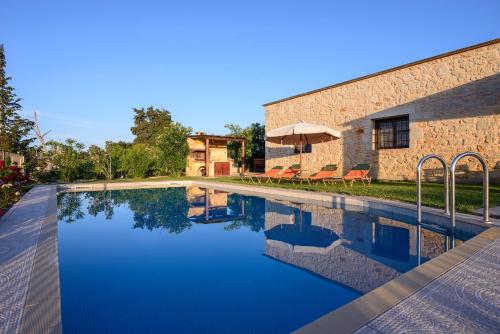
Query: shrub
137	161
8	196
11	174
11	179
38	167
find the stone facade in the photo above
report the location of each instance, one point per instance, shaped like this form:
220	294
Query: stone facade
218	153
453	105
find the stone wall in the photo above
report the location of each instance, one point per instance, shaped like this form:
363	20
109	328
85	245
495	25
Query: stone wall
218	153
453	105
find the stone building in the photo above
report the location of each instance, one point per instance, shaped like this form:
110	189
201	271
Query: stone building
445	104
209	155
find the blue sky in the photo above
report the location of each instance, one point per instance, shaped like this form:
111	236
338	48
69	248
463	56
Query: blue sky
84	64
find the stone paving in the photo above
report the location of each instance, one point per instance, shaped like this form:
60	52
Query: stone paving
465	299
457	292
19	233
494	212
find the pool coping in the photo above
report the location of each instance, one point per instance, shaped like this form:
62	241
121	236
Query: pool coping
42	311
357	314
28	233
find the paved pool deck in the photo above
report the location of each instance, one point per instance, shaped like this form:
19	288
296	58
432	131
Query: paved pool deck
29	272
455	292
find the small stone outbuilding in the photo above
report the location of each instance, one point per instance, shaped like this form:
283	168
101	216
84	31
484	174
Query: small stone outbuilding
445	104
209	155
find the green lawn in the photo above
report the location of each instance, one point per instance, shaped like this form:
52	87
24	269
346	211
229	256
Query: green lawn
468	197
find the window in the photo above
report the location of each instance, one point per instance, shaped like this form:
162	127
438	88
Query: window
198	155
392	132
306	148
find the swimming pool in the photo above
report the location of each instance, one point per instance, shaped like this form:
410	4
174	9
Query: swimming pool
192	260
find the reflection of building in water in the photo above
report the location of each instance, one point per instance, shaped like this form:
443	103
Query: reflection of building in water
212	206
366	252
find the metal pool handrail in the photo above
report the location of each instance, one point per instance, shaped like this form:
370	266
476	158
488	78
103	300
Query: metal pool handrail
453	166
419	184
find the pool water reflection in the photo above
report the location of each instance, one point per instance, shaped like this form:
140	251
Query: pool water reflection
184	260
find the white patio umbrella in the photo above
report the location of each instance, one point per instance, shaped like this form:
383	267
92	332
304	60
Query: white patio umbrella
300	133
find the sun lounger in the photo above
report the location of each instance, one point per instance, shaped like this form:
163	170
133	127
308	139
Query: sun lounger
247	177
258	178
329	171
357	173
288	175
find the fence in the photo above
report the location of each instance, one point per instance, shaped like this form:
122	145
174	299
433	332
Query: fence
13	157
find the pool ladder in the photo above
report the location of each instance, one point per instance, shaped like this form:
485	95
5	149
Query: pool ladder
449	185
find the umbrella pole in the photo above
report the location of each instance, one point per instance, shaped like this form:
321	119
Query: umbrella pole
300	159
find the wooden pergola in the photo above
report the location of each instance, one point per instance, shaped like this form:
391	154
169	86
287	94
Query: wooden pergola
227	139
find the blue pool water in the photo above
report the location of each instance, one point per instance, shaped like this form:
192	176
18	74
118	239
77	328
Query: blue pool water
191	260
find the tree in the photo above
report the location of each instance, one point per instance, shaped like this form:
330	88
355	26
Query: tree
39	134
102	161
137	160
149	123
13	128
69	158
118	151
173	149
254	146
108	162
37	163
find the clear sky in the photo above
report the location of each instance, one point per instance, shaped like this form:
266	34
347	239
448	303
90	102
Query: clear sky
84	64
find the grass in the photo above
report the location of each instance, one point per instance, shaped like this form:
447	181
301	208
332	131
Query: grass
468	197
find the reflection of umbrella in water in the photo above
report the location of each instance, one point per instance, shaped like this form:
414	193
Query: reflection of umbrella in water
302	235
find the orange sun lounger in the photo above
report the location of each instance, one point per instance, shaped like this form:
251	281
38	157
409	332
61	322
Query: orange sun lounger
357	173
288	175
329	171
258	178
